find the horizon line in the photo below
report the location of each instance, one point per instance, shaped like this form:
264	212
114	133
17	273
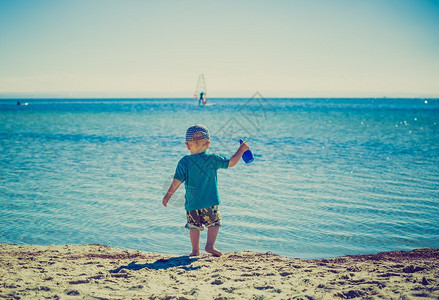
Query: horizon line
188	98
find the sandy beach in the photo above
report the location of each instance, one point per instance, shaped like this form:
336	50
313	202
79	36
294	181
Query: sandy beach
102	272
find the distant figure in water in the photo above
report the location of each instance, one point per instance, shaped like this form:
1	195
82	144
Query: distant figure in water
201	98
18	103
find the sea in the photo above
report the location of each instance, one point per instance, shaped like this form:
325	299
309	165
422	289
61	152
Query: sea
331	177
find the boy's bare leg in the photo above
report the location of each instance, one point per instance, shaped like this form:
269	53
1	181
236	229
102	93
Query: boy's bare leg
195	241
212	233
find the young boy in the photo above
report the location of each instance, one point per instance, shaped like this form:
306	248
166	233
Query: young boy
199	173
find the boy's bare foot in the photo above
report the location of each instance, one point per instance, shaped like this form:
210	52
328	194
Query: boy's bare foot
195	253
213	251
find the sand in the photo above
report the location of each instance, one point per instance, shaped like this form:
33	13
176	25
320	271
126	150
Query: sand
101	272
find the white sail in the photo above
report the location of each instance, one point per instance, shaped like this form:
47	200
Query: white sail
200	91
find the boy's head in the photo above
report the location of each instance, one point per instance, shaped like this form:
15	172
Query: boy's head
197	132
197	138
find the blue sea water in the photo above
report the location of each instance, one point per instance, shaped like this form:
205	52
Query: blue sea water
330	177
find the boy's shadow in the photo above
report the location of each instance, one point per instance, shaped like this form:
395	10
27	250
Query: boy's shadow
162	264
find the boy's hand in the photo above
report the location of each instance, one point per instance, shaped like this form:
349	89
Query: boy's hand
237	156
244	147
165	201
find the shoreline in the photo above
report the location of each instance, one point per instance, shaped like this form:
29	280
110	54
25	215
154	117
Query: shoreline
103	272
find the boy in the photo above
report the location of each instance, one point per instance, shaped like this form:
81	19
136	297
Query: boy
199	173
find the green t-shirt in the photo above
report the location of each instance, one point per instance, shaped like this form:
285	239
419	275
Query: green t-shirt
199	174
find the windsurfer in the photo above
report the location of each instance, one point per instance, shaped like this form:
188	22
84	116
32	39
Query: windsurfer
201	100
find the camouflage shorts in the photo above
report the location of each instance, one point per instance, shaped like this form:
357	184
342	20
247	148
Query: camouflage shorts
208	217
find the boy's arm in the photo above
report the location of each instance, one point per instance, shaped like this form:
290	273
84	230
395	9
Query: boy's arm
237	156
174	186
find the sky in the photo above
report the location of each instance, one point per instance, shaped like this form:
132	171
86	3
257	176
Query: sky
281	48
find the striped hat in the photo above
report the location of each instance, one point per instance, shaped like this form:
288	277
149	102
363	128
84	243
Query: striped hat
197	132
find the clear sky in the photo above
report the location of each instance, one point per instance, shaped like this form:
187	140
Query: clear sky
296	48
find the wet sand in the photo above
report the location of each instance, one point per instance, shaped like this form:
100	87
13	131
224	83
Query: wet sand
101	272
